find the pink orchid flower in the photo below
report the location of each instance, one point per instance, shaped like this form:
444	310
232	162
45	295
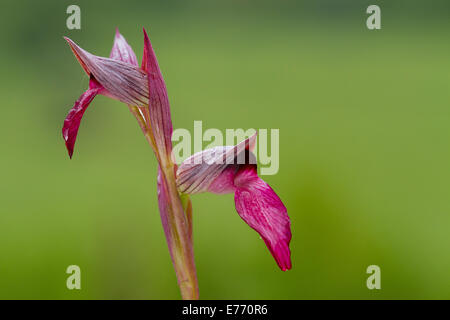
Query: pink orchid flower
144	91
118	77
233	170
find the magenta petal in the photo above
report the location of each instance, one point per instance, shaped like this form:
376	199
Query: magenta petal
159	107
224	183
260	207
122	51
73	119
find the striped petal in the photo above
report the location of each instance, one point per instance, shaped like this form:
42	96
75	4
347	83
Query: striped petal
158	103
198	172
122	51
122	81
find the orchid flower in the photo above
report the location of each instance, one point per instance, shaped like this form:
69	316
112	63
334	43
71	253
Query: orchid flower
224	170
144	91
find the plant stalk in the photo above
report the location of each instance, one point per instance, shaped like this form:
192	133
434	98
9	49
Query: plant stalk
177	220
180	240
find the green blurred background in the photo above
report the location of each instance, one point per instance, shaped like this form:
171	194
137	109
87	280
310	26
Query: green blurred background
364	148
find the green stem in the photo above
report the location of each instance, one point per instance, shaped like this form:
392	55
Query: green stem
181	240
179	218
187	206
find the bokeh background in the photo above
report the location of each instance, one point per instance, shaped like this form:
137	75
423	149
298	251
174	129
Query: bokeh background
364	148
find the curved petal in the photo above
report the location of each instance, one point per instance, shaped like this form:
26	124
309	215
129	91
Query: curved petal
159	108
198	172
73	119
260	207
122	81
256	203
122	51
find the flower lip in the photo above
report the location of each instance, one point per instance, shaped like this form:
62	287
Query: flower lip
261	208
73	119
